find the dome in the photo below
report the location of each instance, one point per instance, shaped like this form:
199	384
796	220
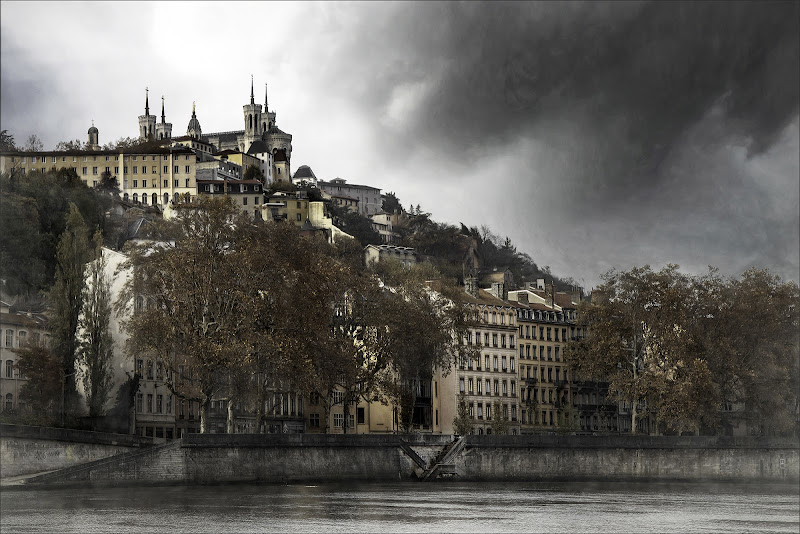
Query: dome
92	130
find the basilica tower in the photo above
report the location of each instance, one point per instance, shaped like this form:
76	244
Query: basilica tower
163	128
147	122
252	120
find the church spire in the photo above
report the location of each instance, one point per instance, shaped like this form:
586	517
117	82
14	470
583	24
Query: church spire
163	117
146	101
252	94
266	99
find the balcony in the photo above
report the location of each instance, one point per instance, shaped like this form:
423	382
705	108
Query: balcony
531	381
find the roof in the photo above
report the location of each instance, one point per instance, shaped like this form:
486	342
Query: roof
258	147
275	130
486	299
304	171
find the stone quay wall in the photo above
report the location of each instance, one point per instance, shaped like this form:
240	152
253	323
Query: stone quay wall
292	458
30	449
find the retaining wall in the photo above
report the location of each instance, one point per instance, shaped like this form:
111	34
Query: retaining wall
283	458
29	449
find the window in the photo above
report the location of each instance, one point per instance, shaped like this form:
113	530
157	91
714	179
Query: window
558	358
149	369
9	368
338	397
488	387
149	403
9	402
136	183
144	183
461	385
313	420
511	361
503	340
244	203
480	386
298	217
541	352
135	170
471	389
505	366
166	171
487	362
22	338
548	333
505	387
116	170
139	367
169	401
139	401
176	182
497	387
486	341
549	354
338	420
176	169
255	201
154	169
480	410
513	388
494	361
9	338
125	169
187	182
84	170
361	416
159	403
187	169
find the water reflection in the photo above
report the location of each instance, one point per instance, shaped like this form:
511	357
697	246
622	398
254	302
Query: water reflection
408	507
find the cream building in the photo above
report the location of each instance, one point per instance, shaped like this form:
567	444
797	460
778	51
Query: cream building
490	380
19	326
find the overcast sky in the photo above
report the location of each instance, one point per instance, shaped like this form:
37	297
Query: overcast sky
594	135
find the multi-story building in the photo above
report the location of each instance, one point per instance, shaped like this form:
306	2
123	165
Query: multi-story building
489	381
405	255
149	174
19	325
369	198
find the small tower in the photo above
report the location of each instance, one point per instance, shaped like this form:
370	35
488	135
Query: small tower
252	120
269	116
147	122
93	143
164	128
194	130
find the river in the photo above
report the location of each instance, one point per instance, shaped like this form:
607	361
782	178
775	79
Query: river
445	506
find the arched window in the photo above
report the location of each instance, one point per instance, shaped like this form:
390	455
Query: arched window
136	198
161	135
155	199
250	125
9	402
175	197
9	338
166	198
494	317
125	197
22	338
9	368
144	198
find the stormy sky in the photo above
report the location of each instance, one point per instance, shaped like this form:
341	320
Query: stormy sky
594	135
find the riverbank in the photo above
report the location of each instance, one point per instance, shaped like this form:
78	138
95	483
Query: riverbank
319	458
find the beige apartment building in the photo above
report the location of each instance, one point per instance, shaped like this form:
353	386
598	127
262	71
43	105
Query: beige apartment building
489	381
19	326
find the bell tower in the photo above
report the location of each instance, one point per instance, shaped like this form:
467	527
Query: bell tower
147	122
252	120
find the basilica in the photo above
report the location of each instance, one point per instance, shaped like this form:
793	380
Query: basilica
260	136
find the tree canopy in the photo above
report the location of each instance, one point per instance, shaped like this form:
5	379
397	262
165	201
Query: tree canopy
679	347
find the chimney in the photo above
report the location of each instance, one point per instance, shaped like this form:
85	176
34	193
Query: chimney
540	283
499	290
522	297
471	286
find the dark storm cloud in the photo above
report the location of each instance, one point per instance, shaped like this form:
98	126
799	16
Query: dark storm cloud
646	70
649	117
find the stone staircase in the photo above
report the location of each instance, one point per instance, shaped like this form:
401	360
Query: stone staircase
443	464
78	472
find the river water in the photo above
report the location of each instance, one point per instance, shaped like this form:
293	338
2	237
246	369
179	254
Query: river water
407	507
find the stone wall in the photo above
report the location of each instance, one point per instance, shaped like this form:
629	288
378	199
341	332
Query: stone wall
628	457
25	450
284	458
